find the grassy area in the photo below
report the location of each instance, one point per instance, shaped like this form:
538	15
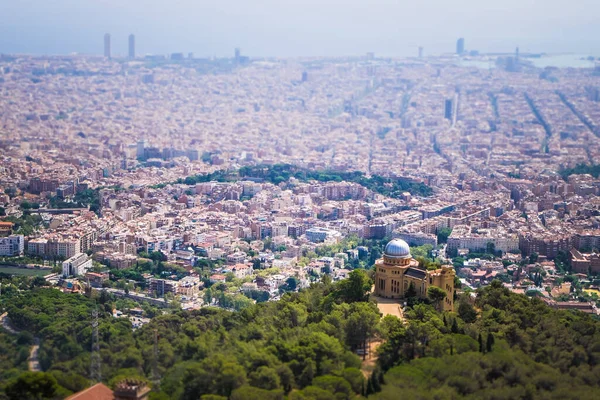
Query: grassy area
4	269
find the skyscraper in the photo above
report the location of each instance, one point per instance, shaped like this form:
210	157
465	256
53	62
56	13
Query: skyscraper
420	51
107	45
237	55
448	109
132	46
460	46
141	147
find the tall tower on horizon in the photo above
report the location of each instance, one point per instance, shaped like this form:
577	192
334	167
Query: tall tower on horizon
460	46
132	46
107	45
420	51
448	109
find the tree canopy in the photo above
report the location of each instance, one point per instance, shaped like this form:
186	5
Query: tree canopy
498	345
280	173
526	350
267	349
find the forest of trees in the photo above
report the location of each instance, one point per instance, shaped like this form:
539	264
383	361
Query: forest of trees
301	344
505	346
13	354
85	198
278	173
580	169
501	346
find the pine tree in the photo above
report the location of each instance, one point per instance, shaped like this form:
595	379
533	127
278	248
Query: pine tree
490	342
411	292
370	386
480	340
454	328
375	382
381	377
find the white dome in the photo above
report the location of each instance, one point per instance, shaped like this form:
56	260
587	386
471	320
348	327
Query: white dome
397	248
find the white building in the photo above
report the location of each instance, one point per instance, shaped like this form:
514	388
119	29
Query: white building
463	237
279	229
417	238
318	234
13	245
79	264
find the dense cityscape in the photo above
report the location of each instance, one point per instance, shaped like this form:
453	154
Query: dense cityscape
162	188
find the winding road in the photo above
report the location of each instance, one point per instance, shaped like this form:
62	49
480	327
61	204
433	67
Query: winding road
32	361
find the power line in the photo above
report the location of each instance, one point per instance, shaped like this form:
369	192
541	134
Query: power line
155	375
95	373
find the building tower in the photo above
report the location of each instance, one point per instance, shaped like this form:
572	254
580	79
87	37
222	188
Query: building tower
140	149
420	51
132	46
237	55
460	46
107	45
448	109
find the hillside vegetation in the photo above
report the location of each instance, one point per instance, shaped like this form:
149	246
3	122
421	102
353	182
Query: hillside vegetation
504	346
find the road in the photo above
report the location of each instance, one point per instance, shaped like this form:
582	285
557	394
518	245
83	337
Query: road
6	324
32	361
386	307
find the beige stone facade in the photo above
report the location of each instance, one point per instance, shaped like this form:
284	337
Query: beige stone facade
397	270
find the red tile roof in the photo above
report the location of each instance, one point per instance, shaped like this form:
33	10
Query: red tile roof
97	392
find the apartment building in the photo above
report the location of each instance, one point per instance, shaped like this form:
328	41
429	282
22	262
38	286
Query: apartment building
162	286
463	237
12	245
77	265
54	247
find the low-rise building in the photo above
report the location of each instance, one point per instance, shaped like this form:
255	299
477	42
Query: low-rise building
5	228
96	279
189	286
241	270
584	263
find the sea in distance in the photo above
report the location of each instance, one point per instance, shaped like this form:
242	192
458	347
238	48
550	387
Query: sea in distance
537	60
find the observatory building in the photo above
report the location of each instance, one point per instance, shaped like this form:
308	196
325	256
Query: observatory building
396	270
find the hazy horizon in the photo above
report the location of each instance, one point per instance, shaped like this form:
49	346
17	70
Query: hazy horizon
293	28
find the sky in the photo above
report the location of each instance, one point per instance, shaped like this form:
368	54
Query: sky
295	28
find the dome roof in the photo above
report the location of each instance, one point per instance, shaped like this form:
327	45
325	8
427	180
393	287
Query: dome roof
397	248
